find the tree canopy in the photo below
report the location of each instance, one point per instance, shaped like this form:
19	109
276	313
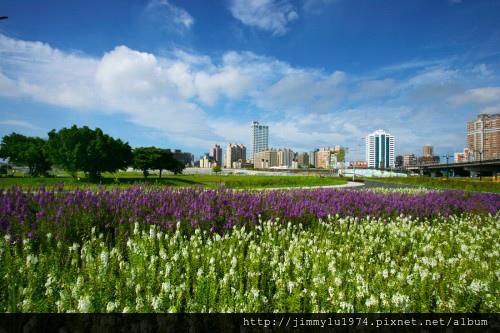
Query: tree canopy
341	154
152	158
25	150
91	151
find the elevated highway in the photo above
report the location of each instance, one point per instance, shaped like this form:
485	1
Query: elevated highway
488	167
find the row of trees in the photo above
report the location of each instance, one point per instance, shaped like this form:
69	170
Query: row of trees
83	149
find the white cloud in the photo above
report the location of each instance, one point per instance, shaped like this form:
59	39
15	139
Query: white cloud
491	109
18	123
304	90
46	74
8	87
268	15
168	14
315	6
483	70
124	72
374	88
197	100
179	73
433	76
477	96
228	81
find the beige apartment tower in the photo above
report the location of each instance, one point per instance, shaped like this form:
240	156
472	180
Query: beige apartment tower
483	137
428	151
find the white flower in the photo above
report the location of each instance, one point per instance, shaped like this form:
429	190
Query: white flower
155	303
110	307
105	258
31	260
371	301
84	304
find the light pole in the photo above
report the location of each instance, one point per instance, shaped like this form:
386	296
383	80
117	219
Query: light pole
331	161
447	156
354	163
480	152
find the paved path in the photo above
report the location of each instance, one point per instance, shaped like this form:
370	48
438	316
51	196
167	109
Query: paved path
375	184
355	185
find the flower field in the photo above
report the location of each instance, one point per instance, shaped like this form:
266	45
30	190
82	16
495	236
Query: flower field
154	249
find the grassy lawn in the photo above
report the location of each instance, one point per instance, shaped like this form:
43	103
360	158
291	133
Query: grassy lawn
467	184
124	179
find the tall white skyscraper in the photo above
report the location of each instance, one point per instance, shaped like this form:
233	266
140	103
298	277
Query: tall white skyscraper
380	150
259	138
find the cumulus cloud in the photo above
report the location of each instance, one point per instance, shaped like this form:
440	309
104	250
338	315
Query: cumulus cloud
46	74
123	72
269	15
197	100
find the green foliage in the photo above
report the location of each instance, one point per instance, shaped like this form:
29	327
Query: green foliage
91	151
337	265
124	179
341	154
24	150
467	184
176	166
216	169
152	158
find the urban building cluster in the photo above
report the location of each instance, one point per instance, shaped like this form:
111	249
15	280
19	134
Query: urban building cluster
483	142
379	150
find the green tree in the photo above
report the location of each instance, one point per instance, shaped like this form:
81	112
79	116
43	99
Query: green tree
146	158
176	166
216	169
341	154
91	151
3	169
152	158
25	150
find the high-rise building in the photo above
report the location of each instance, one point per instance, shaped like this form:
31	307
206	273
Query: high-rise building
398	162
186	158
303	160
235	153
409	160
326	158
313	157
483	137
266	159
380	150
285	157
216	154
206	161
259	138
428	151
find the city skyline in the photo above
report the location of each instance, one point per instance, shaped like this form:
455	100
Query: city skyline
186	74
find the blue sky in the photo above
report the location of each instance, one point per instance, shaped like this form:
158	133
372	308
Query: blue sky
188	74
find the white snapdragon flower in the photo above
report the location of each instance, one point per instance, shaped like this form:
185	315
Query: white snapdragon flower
84	304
